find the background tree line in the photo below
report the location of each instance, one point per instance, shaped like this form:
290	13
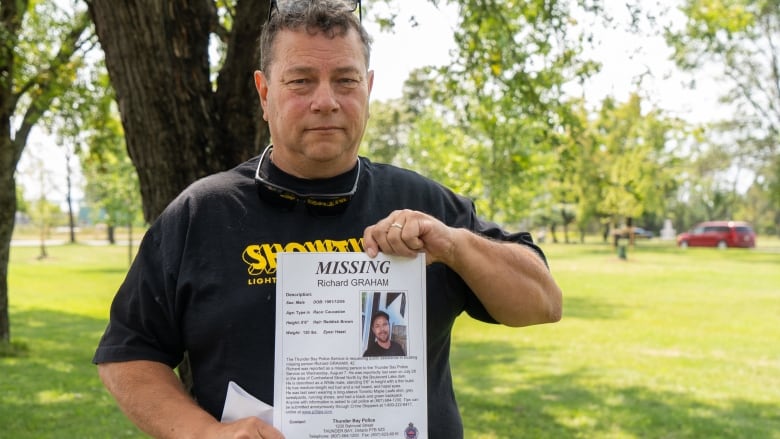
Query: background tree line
152	94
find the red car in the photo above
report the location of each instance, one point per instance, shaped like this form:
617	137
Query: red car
721	234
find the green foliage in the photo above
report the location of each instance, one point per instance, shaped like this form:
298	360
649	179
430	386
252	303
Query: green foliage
447	155
22	205
45	214
500	113
387	132
738	40
416	138
48	56
756	208
486	124
504	91
112	182
619	163
637	159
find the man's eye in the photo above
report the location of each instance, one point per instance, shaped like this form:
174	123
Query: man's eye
348	82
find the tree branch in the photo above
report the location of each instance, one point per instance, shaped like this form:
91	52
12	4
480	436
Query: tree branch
48	80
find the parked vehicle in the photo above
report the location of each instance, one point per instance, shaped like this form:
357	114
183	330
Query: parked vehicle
721	234
640	232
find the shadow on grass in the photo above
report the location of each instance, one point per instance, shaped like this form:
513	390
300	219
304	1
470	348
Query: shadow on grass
525	404
589	308
54	390
87	271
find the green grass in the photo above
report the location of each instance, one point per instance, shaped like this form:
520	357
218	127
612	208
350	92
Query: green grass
667	344
59	309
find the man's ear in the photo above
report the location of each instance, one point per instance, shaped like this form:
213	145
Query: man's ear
261	84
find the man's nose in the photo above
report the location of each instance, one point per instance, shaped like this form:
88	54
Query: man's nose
324	99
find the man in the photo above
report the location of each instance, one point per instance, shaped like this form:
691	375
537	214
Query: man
380	344
203	282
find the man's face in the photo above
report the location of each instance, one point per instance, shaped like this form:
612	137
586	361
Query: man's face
381	329
315	99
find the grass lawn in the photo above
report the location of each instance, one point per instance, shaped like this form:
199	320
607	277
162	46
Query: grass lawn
667	344
59	309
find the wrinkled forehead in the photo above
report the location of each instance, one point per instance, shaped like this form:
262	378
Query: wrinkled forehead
303	50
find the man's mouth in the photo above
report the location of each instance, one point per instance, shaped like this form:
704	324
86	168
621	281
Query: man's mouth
324	128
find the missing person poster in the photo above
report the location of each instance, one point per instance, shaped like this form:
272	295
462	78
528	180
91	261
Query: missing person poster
350	346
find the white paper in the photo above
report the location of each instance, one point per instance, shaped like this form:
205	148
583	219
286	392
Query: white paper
241	404
324	387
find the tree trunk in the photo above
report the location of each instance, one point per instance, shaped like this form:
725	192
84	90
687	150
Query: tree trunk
44	232
7	219
178	127
39	95
69	196
10	152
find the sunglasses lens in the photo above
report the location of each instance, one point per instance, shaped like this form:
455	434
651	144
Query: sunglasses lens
276	198
327	206
316	206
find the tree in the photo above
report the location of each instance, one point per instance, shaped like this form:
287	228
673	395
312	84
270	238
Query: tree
22	205
387	131
740	41
76	114
112	181
182	120
40	51
185	115
44	215
614	166
505	89
633	144
69	155
409	132
42	212
575	184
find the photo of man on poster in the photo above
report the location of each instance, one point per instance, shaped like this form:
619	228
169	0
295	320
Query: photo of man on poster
380	344
385	332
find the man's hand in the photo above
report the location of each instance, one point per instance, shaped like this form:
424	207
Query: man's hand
510	279
408	232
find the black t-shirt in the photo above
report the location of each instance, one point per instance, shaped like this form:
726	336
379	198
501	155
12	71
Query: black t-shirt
204	280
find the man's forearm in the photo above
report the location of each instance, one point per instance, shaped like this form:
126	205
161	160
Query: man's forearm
511	280
151	395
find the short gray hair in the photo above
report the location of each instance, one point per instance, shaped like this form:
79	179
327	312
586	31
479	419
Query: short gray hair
331	17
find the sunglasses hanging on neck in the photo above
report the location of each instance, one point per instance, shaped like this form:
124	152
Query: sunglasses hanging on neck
318	204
